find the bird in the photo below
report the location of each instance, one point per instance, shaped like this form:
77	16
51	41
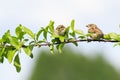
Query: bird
60	30
96	32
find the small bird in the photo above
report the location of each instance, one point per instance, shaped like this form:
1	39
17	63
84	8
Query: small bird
60	30
97	33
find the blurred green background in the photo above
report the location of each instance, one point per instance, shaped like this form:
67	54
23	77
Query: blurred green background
72	65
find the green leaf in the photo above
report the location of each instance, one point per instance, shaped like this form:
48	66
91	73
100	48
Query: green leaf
88	35
10	55
80	32
14	41
75	43
107	37
51	48
32	42
29	32
82	37
1	40
72	34
51	26
5	36
41	41
45	35
1	59
72	25
54	35
67	31
17	63
56	40
26	40
60	47
45	32
2	51
112	36
28	50
62	38
1	54
38	34
19	32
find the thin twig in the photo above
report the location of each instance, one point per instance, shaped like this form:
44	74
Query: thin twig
69	41
90	40
87	40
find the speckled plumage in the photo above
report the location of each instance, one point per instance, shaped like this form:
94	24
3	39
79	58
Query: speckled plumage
60	30
97	33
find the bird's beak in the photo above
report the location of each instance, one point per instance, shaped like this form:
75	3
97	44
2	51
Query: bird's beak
86	25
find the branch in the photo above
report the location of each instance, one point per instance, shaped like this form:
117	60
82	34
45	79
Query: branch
26	39
90	40
69	41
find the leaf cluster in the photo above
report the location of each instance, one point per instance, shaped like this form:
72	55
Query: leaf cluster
25	39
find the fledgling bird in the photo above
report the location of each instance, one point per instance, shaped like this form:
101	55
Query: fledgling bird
97	33
60	30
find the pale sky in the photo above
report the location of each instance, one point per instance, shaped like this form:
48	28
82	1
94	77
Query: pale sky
37	13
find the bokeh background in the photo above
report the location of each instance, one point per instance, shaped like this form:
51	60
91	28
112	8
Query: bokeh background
37	13
72	66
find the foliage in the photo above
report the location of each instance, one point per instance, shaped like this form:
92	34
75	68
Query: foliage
72	66
11	46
